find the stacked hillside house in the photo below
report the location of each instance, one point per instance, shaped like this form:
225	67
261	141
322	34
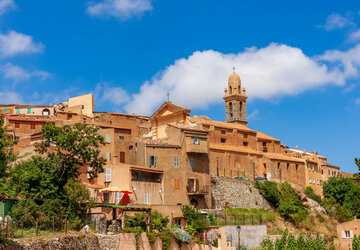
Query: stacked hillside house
167	160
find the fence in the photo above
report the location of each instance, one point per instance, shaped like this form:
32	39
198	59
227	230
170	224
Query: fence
238	219
24	226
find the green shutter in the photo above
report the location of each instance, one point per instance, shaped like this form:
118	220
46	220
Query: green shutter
28	110
5	109
17	111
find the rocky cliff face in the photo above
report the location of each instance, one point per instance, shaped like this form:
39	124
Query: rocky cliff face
233	193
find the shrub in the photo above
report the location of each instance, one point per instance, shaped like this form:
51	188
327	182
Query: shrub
180	234
270	191
196	223
310	193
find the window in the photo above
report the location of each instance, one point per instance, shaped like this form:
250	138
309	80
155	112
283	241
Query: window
264	144
17	111
106	197
245	136
196	140
278	165
147	199
28	110
287	166
5	109
223	132
309	180
191	161
108	156
245	143
107	175
17	125
121	137
107	138
346	234
47	112
176	161
89	170
152	160
177	184
122	157
177	222
32	126
297	166
265	165
118	197
223	140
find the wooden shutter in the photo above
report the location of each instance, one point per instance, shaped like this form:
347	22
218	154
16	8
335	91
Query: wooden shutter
107	174
176	184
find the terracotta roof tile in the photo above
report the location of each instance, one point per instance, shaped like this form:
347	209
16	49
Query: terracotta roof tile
221	124
265	136
233	148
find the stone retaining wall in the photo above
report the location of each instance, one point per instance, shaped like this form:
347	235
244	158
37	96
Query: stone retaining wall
235	193
94	242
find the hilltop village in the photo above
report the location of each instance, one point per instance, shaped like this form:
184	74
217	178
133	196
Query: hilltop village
170	158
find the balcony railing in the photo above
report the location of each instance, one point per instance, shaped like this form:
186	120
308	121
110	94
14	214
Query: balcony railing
194	190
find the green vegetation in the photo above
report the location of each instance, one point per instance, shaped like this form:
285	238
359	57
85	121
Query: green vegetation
157	221
310	193
341	198
288	241
356	243
46	185
284	199
196	223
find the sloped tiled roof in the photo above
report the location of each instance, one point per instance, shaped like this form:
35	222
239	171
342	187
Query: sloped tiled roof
221	124
233	148
265	136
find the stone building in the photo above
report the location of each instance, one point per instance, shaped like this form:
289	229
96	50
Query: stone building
345	233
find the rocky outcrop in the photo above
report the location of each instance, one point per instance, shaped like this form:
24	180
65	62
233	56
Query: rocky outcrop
228	192
306	201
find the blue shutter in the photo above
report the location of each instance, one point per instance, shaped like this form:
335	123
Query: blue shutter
17	111
191	160
154	160
108	138
5	109
28	110
150	162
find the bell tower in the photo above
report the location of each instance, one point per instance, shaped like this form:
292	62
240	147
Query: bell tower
235	100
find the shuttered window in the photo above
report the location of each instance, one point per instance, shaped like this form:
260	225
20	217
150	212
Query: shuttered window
147	199
122	157
176	161
107	176
5	109
176	184
152	160
17	111
28	110
108	156
118	197
107	138
32	126
191	161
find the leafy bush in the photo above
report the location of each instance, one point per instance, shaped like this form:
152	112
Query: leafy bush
270	192
196	223
288	241
356	243
310	193
157	221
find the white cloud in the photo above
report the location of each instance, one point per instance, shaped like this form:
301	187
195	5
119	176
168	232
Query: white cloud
6	5
253	115
9	97
116	96
349	88
337	21
355	36
14	43
122	9
17	74
200	79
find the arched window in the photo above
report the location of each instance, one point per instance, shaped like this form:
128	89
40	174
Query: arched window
231	111
230	90
46	112
194	202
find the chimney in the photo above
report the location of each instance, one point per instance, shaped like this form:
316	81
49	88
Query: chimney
297	148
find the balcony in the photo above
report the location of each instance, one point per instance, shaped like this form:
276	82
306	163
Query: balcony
196	145
193	188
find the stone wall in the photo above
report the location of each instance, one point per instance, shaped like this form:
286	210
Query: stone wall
94	242
228	192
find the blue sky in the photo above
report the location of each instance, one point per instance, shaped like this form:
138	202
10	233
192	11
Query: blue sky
299	61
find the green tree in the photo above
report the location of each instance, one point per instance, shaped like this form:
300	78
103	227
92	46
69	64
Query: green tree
47	183
70	147
196	223
311	194
6	155
270	192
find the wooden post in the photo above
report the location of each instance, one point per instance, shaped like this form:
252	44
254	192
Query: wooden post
66	224
37	226
22	227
